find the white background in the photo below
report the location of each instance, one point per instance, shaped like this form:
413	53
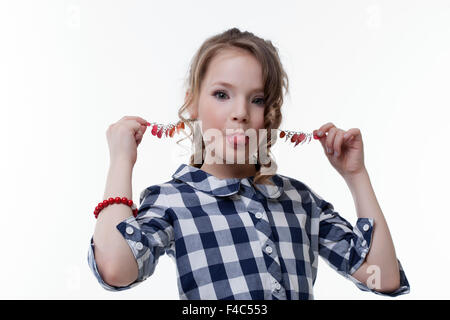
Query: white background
68	69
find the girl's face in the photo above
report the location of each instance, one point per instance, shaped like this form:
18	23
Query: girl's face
232	98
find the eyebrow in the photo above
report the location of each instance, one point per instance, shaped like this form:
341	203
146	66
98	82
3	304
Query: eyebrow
229	85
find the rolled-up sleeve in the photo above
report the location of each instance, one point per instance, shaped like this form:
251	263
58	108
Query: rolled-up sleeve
345	247
402	289
149	236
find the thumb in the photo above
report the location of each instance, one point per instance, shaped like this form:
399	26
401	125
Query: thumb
140	133
322	141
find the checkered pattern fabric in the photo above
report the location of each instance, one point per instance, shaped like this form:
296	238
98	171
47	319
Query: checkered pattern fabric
232	239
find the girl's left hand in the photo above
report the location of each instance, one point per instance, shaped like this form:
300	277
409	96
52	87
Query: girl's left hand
346	153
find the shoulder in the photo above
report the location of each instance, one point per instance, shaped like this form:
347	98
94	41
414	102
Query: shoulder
160	192
290	183
293	185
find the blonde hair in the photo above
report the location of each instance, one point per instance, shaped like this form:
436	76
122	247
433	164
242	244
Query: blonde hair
274	80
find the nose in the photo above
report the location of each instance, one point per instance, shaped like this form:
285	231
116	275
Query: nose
240	112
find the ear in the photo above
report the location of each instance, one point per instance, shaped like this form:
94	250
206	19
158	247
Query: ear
192	107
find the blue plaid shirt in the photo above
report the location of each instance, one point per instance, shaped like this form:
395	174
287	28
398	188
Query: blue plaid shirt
232	239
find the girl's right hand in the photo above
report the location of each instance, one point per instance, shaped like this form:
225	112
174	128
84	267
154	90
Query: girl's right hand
123	137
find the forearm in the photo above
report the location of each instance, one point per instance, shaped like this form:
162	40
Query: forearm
382	251
114	258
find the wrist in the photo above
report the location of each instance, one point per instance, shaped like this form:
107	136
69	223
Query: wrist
356	176
123	164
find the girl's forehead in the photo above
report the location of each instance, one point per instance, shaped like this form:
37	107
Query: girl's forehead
234	72
231	58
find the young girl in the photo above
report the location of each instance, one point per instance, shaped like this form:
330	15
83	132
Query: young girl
234	231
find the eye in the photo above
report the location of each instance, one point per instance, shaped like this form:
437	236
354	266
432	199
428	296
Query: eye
219	92
261	100
223	95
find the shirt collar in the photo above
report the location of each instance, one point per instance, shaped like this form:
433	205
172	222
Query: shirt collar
206	182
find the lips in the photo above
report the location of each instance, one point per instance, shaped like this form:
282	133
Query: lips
237	139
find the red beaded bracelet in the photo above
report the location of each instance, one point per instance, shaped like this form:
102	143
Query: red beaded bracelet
105	203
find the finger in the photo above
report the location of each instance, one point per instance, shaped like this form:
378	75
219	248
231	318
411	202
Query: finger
352	133
133	125
139	135
348	137
136	125
138	119
142	130
323	141
138	138
338	142
330	140
325	128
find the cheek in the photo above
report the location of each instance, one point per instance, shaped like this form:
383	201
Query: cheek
258	120
212	115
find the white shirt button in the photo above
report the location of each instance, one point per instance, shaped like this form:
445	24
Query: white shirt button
366	227
277	286
269	249
258	215
129	230
139	245
364	242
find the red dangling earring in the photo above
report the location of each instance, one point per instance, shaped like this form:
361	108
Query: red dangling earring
296	137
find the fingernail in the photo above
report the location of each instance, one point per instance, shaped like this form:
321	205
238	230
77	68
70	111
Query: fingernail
346	135
336	154
320	133
328	150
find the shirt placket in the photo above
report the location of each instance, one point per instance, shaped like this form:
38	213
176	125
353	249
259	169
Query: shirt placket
268	246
